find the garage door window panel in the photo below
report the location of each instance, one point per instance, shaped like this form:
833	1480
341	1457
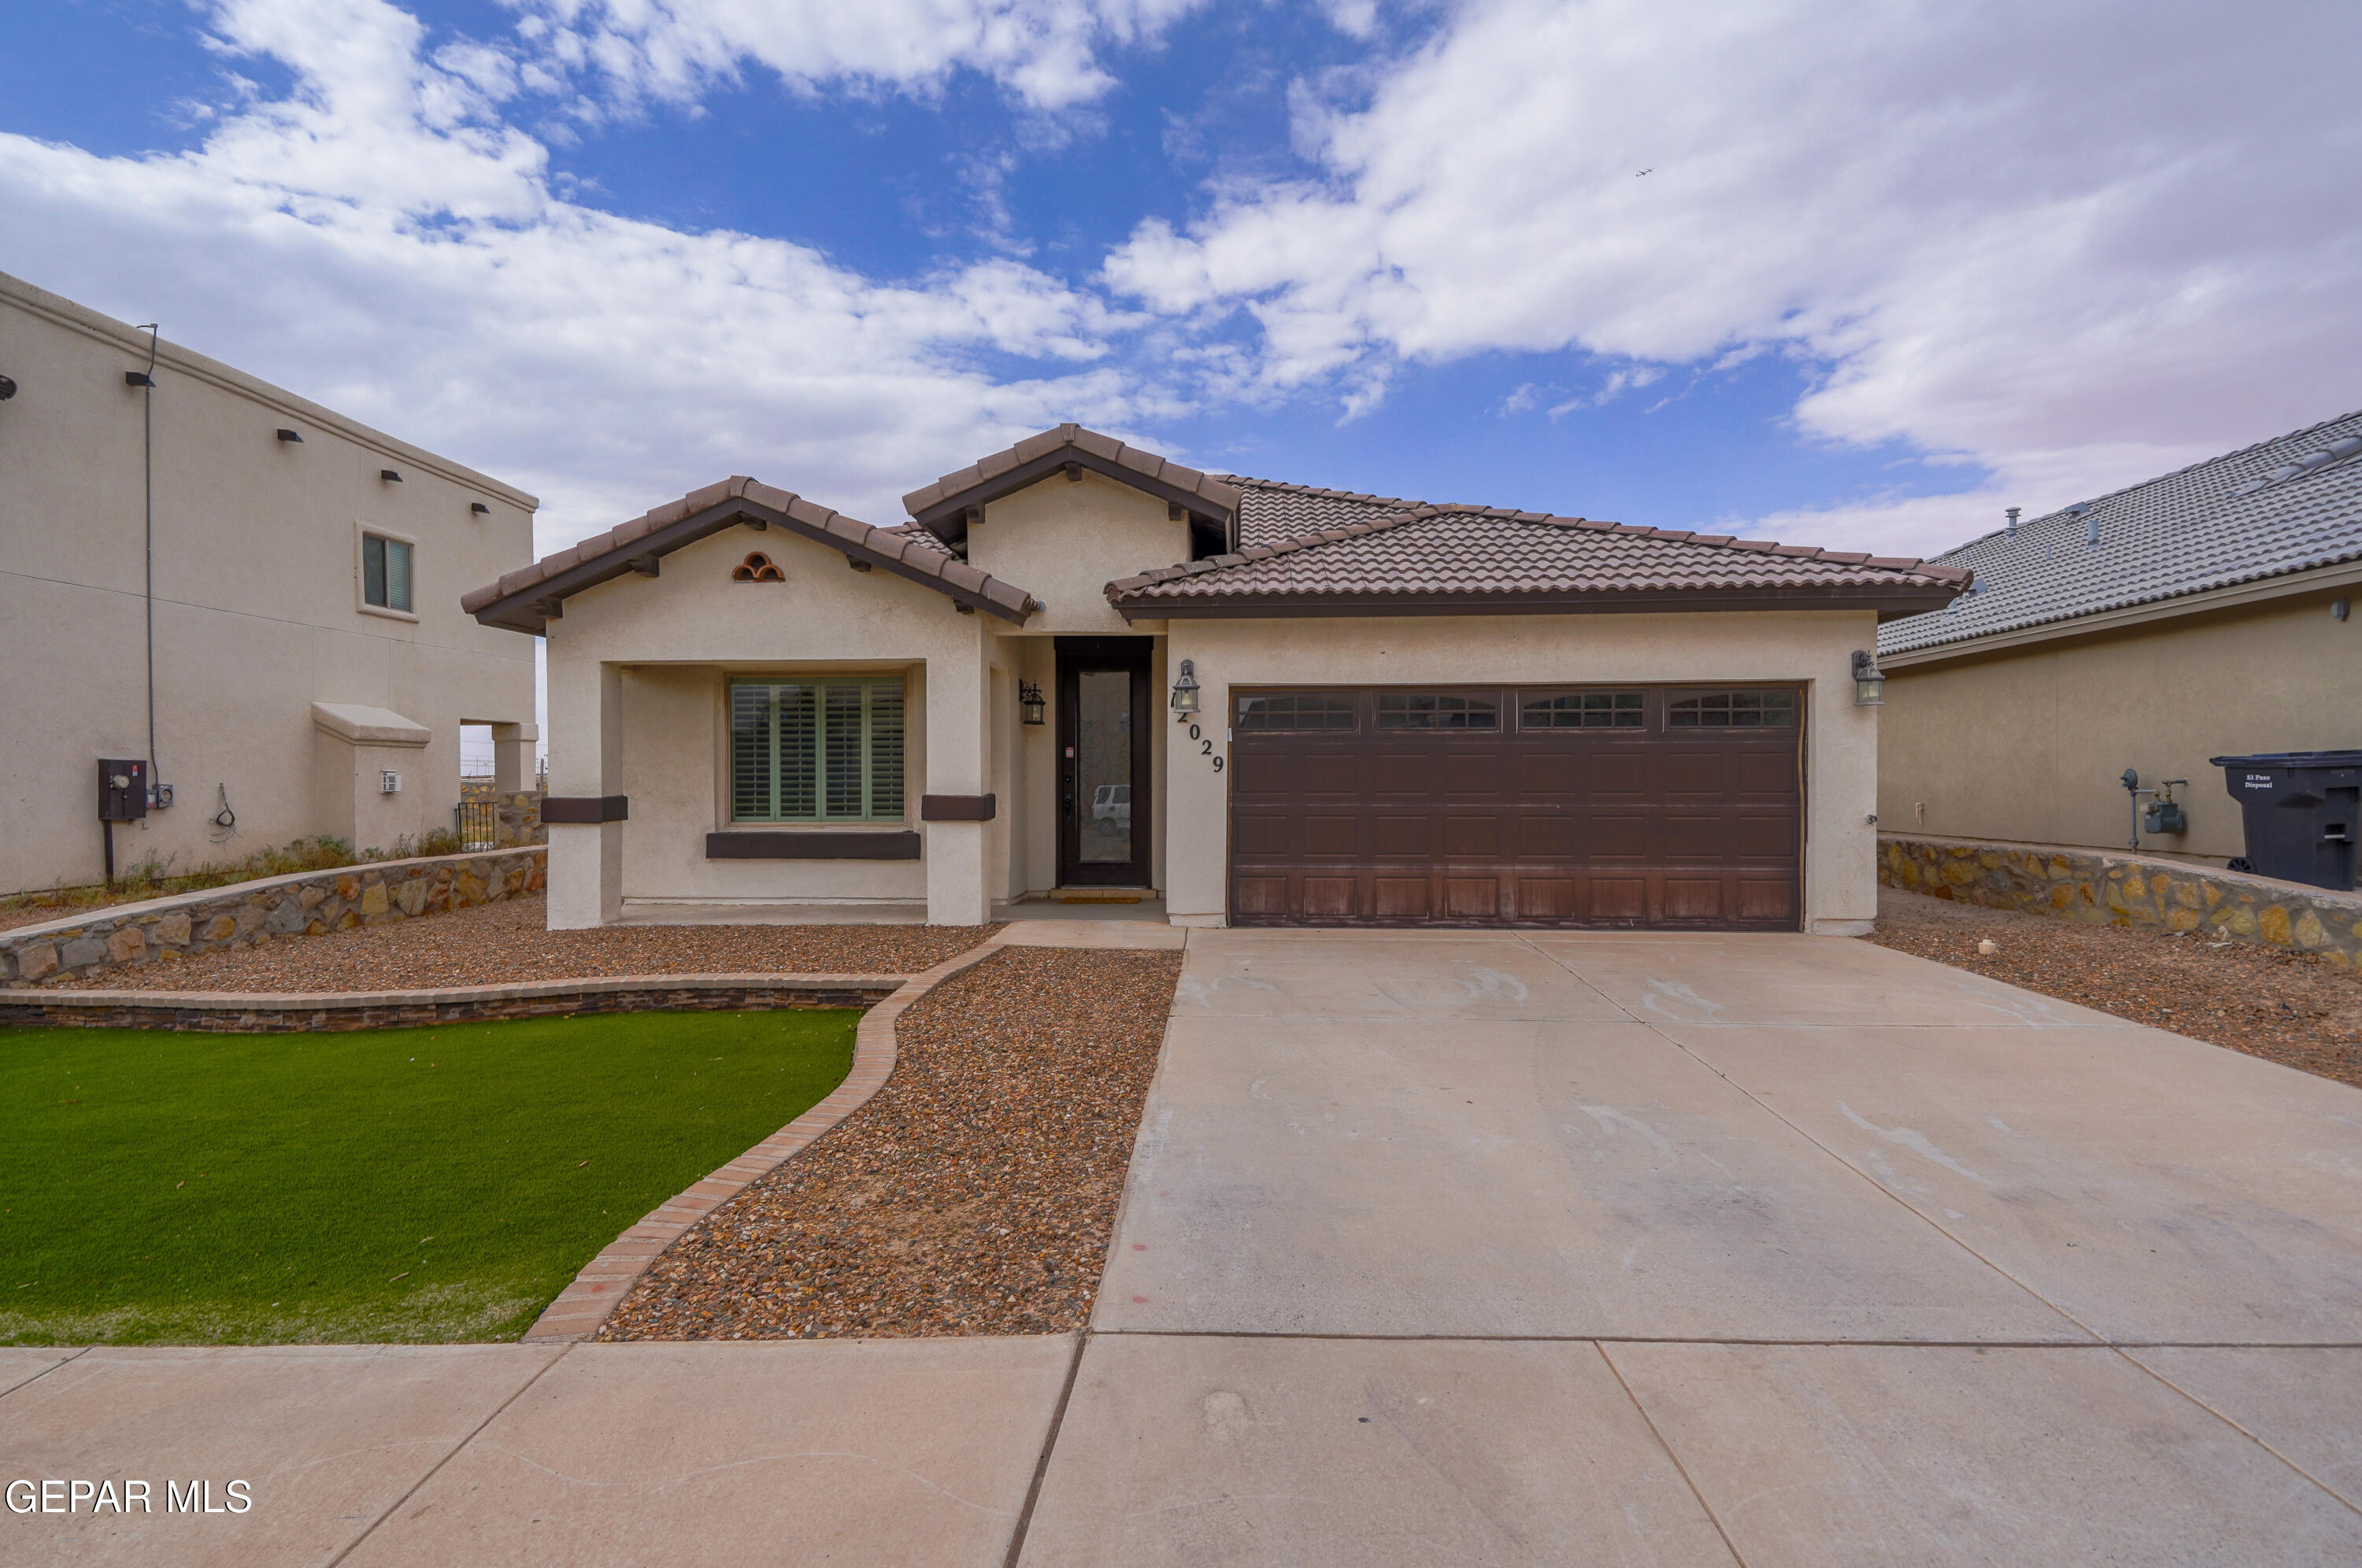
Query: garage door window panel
1296	710
1581	711
1446	711
1733	710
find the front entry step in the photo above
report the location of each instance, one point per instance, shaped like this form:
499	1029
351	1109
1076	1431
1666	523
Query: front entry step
1100	895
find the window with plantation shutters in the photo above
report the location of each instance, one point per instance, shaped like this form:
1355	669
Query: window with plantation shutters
816	751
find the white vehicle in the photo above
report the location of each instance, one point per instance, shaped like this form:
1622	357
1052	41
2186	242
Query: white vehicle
1111	802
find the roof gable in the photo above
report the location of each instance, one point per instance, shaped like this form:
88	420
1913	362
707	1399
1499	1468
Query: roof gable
943	507
1471	560
527	599
2280	506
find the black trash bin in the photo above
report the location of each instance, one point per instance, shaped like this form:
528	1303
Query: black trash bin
2302	809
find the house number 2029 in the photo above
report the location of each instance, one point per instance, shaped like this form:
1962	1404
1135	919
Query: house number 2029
1205	746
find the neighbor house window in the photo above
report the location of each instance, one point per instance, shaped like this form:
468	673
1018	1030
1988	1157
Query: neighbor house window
385	573
816	751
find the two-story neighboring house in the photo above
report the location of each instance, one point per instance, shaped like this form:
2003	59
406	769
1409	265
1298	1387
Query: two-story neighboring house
254	595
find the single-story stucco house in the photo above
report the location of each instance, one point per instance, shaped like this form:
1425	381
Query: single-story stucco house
1082	667
2206	613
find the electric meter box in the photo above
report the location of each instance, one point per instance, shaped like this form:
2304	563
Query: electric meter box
122	788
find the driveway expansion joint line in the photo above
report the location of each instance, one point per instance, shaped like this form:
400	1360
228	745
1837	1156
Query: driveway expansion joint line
1680	1469
2124	1353
1049	1443
457	1448
583	1308
76	1354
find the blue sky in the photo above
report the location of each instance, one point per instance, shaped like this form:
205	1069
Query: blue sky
1890	268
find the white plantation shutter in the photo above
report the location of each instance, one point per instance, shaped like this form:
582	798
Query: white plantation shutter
816	751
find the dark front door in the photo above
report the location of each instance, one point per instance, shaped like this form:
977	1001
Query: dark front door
1103	780
1546	805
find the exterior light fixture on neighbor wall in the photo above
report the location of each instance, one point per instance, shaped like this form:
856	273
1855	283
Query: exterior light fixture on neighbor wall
478	509
7	389
1869	682
294	437
1028	701
1184	691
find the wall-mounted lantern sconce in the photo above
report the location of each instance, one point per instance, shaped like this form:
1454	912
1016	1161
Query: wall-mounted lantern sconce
1868	683
138	379
389	476
1184	691
1028	701
478	509
294	436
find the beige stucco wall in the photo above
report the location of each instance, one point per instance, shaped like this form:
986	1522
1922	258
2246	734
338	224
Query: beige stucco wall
1815	649
637	673
1063	540
2026	744
257	599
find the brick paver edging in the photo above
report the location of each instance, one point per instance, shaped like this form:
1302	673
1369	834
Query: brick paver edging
583	1306
278	1012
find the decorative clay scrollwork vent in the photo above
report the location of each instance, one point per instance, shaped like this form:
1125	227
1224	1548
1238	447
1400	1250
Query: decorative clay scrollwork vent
757	568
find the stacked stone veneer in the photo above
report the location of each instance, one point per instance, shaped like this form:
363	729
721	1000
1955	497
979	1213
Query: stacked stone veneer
248	915
2101	888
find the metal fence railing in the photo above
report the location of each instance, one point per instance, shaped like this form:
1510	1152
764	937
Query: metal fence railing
477	823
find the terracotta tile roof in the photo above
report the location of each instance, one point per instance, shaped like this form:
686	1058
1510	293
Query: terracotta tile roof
522	600
1004	472
2285	505
1440	558
1272	512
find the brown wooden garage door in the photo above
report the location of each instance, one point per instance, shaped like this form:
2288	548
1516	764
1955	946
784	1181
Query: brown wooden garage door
1561	806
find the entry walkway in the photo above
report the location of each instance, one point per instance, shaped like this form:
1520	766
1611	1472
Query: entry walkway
1441	1249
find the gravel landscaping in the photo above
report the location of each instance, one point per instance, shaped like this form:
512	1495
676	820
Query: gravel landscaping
504	943
2285	1006
974	1194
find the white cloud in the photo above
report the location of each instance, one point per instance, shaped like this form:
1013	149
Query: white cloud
2077	243
1045	51
382	241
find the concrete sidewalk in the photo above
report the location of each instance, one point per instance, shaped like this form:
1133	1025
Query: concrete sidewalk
1435	1249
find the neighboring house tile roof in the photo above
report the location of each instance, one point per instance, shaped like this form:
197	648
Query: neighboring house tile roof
1466	559
941	507
2280	506
526	600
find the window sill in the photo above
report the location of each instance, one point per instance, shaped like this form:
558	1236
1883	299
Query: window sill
814	843
390	614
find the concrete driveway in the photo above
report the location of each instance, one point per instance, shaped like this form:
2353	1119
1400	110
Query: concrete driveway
1438	1250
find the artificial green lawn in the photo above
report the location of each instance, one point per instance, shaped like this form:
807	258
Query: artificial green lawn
392	1185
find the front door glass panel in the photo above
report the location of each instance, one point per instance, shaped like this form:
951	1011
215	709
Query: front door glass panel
1103	764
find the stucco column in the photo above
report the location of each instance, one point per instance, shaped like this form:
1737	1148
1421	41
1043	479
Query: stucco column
586	759
959	762
1841	831
1197	805
512	756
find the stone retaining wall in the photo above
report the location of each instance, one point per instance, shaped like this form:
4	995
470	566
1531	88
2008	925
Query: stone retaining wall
265	1012
248	915
2102	888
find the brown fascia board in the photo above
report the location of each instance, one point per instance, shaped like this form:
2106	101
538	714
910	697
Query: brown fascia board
938	508
1892	603
522	600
